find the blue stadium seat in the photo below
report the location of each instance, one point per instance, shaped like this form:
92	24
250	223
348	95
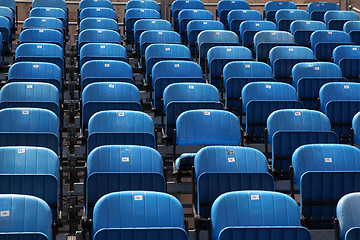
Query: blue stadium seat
31	171
187	15
7	13
181	97
120	128
156	36
323	42
30	94
348	59
285	17
248	29
50	12
143	25
42	36
5	30
160	52
50	4
139	168
272	7
99	23
225	6
237	74
207	127
236	17
259	100
335	20
283	58
302	30
179	5
222	169
309	77
219	56
356	129
29	127
346	211
134	14
105	71
314	167
98	12
95	4
9	4
44	23
102	51
32	215
317	10
194	27
291	128
353	29
340	102
98	36
211	38
36	72
167	72
148	4
264	215
41	52
131	217
103	96
264	41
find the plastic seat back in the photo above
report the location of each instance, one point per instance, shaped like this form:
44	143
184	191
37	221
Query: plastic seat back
207	127
181	97
264	41
36	72
44	23
316	165
98	36
260	99
97	12
102	51
30	94
103	96
272	7
302	30
29	127
236	17
30	171
120	128
348	59
167	72
309	77
225	6
195	27
179	5
32	215
140	168
9	4
5	30
249	28
95	4
50	4
186	15
99	23
283	58
41	35
50	12
340	102
134	14
269	214
317	10
115	216
238	168
285	17
149	4
346	211
219	56
323	42
105	70
237	74
211	38
335	19
353	29
40	52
